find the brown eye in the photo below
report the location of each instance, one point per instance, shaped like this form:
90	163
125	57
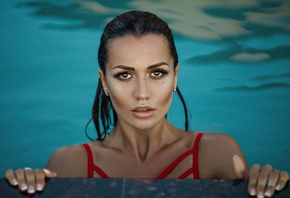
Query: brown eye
158	73
124	76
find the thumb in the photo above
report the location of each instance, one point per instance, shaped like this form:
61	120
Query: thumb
239	167
49	173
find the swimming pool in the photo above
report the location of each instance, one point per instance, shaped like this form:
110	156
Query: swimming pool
234	73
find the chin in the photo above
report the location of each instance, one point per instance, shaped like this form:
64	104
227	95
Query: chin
145	124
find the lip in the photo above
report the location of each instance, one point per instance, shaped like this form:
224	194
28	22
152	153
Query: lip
143	111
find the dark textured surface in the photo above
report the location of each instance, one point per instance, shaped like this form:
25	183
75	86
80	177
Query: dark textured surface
128	188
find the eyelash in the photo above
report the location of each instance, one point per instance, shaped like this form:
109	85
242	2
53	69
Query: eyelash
161	71
118	75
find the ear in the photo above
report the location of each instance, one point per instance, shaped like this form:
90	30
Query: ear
103	80
175	75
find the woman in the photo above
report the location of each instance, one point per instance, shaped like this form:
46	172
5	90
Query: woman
138	75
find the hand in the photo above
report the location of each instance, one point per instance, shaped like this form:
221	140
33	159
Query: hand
29	180
262	181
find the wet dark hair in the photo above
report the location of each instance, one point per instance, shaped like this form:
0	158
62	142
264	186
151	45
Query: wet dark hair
137	24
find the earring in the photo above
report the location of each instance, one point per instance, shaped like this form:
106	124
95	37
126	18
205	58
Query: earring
106	93
174	89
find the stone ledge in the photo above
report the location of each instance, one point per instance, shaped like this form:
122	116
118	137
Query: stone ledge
129	188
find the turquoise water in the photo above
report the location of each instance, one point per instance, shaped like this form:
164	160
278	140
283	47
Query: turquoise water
234	73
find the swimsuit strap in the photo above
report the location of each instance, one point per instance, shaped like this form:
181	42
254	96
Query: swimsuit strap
90	161
174	164
195	156
91	165
193	169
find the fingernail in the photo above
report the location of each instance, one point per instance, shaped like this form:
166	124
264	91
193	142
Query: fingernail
253	192
260	195
278	187
14	181
53	174
47	171
23	186
39	187
31	189
268	193
27	168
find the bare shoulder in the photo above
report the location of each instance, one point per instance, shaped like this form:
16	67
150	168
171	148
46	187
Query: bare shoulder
221	141
219	146
216	156
69	161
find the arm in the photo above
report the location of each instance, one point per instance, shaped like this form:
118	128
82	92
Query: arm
69	162
216	157
228	162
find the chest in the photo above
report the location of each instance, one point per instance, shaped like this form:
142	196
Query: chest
173	165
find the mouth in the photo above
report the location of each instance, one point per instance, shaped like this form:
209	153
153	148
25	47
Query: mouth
142	109
143	112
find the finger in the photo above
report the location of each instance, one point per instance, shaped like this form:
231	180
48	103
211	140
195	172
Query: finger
40	179
239	167
49	173
253	178
30	180
263	179
284	177
22	185
10	176
272	181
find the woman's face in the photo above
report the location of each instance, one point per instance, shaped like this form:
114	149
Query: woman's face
140	79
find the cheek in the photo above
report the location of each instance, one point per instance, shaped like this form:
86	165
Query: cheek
162	92
166	94
122	93
119	94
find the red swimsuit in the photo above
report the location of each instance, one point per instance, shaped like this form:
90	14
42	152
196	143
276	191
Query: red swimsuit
194	169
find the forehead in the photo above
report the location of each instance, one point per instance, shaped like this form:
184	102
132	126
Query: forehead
132	51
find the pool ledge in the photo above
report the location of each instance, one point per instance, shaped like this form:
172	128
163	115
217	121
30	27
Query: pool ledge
128	188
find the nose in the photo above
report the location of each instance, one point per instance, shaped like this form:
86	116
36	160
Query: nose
142	91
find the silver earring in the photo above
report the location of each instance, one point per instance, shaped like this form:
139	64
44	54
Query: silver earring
174	89
106	93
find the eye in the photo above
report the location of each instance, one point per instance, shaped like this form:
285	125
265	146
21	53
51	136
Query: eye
123	75
158	73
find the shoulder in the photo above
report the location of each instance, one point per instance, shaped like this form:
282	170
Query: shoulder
220	141
211	140
69	161
216	155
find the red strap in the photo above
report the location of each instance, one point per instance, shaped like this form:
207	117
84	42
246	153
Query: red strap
183	175
194	168
195	156
100	171
173	164
90	161
91	165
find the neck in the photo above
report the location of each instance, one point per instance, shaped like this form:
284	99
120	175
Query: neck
142	143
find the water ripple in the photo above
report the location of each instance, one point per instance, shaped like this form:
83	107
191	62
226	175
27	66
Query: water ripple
244	88
209	20
238	53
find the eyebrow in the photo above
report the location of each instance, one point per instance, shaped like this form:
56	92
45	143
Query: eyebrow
133	69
